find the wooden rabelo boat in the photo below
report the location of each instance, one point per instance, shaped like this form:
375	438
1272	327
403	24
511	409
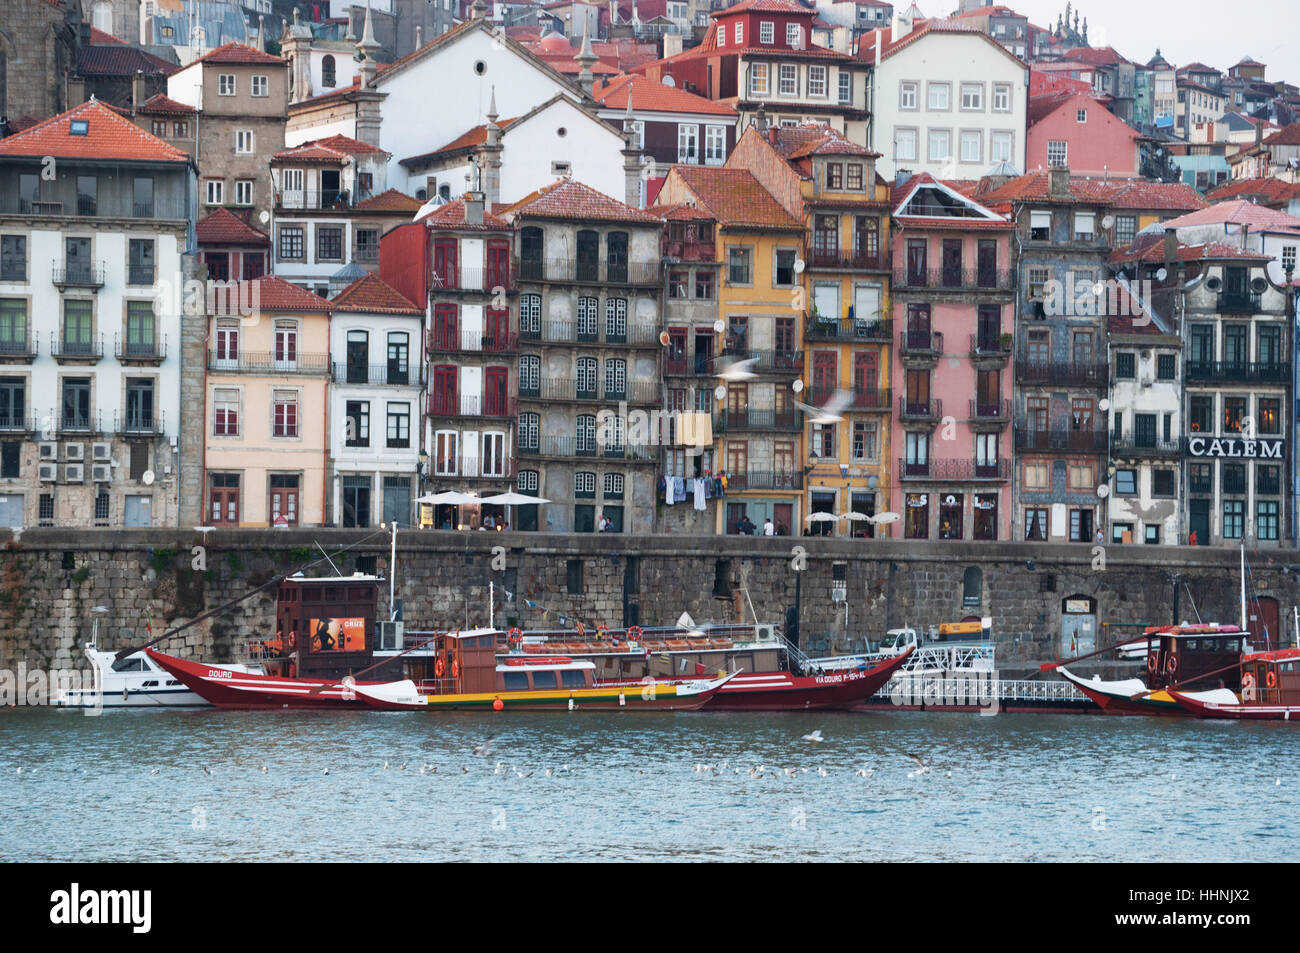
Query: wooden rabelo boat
1270	690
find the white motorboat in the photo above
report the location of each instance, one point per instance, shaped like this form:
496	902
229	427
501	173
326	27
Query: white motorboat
133	682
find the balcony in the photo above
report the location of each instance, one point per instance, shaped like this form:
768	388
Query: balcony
365	254
379	374
470	405
1060	439
764	480
473	467
768	360
568	447
994	412
589	272
995	349
568	332
293	199
107	206
76	424
837	258
920	348
861	400
1238	302
18	352
12	425
440	340
77	275
1143	446
1238	371
688	365
567	389
848	330
765	418
139	353
76	352
690	251
270	364
920	411
143	424
954	470
482	280
996	280
1063	373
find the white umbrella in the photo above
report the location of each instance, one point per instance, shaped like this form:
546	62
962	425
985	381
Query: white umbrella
512	499
855	516
885	518
448	497
822	517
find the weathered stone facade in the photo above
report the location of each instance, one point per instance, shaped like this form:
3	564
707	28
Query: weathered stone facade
51	579
38	46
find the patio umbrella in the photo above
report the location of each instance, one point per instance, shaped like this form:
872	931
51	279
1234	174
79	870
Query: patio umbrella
512	499
822	517
448	497
885	518
854	515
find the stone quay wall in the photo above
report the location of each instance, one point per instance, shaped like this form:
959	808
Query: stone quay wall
52	579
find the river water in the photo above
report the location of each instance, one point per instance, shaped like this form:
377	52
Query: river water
145	785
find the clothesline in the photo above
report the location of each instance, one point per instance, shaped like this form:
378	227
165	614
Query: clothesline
676	489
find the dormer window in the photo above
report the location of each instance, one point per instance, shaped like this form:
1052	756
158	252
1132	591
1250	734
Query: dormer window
766	32
794	35
722	35
740	32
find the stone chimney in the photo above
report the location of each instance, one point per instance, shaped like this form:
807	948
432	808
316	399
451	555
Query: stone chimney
1058	181
138	90
902	177
489	157
256	40
474	208
760	120
76	91
479	10
901	26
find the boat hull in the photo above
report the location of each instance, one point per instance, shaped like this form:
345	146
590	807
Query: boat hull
596	698
1238	712
1129	697
783	691
228	689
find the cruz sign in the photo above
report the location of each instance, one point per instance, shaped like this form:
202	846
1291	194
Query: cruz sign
1235	447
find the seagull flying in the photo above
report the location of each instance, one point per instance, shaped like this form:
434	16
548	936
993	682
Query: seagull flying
815	735
483	749
832	412
922	766
737	370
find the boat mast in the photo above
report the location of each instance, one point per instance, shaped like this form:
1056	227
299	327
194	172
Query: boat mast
1243	587
392	577
492	587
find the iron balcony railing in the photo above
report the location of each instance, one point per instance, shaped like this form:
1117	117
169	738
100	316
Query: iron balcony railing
471	405
567	389
751	418
105	207
847	258
1143	446
141	423
952	470
1068	439
1238	302
64	350
76	423
77	274
1272	372
312	198
688	365
584	270
368	254
382	374
23	350
764	480
142	352
17	423
922	344
570	332
1069	373
767	359
268	362
474	467
990	345
861	399
991	410
469	278
909	409
468	341
586	446
817	328
954	279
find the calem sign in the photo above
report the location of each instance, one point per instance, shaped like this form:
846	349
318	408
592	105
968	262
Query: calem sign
1235	447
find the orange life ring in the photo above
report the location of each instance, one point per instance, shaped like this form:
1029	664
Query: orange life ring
438	667
515	636
455	668
1271	679
634	633
1171	663
1247	682
1152	662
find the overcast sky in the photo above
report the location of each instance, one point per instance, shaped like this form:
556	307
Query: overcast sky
1218	34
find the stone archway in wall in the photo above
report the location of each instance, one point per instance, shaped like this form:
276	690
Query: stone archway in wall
1078	626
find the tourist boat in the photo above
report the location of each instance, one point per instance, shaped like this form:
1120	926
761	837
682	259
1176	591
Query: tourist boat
222	686
1194	657
1270	690
135	681
476	680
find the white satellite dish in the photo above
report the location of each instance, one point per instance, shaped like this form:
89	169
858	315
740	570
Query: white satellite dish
147	477
1103	491
1107	222
669	81
720	392
1276	273
797	386
798	266
1103	404
1161	275
719	326
264	217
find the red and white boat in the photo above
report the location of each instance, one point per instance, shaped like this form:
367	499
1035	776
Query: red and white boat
1270	690
231	689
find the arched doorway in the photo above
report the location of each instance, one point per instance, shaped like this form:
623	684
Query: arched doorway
1078	625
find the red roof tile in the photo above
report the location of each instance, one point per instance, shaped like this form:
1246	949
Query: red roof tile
1035	186
160	105
1286	136
373	296
1155	252
1264	191
810	139
573	200
99	38
223	227
649	96
1155	196
108	136
452	216
467	140
734	197
1238	212
121	61
1101	56
389	200
273	293
237	53
765	6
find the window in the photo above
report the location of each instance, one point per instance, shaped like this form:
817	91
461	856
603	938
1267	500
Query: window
937	96
1151	534
1234	410
1268	418
223	497
329	243
688	143
905	145
722	35
972	146
225	416
1125	230
615	378
158	127
758	80
140	340
1085	226
1000	144
739	32
357	423
78	319
846	86
704	285
1125	365
835	176
1082	476
1266	519
613	489
615	320
864	441
853	176
215	190
356	501
1162	483
907	92
794	35
1234	517
291	243
530	315
1081	115
788	79
738	265
939	145
226	84
140	264
180	129
284	419
817	81
13	258
1125	482
584	485
1036	476
1057	152
715	145
399	426
13	403
972	97
766	32
243	142
916	523
784	274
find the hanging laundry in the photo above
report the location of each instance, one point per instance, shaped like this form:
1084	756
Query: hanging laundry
668	491
699	494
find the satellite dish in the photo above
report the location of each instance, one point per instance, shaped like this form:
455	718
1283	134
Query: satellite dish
147	477
669	81
797	386
1108	221
664	338
720	392
1103	404
264	217
1161	275
798	266
719	325
1103	491
1276	273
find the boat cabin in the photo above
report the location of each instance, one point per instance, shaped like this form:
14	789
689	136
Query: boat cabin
544	674
1195	657
324	627
1271	678
453	663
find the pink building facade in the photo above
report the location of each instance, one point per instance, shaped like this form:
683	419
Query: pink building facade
1074	129
953	300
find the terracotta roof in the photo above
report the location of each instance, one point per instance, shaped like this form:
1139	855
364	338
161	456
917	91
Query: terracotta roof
310	152
467	141
121	61
452	216
899	193
683	213
237	53
1156	196
809	139
1130	307
573	200
1196	68
650	96
1101	56
734	197
160	105
765	6
1035	186
566	64
1155	252
1286	136
1265	191
875	45
373	296
1238	212
273	293
223	227
349	145
99	38
389	200
108	136
1043	105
